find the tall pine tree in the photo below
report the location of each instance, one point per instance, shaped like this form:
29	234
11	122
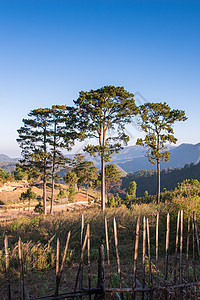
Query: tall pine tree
33	140
100	112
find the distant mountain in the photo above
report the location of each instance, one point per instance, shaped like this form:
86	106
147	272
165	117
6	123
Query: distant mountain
132	158
5	158
180	155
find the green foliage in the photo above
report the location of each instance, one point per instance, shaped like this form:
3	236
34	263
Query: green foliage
39	208
29	194
72	193
111	201
186	197
61	194
4	176
86	172
114	201
156	120
71	177
19	173
132	189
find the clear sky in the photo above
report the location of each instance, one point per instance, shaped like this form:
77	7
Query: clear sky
50	50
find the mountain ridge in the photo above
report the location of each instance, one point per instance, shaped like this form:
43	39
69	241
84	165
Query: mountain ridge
132	158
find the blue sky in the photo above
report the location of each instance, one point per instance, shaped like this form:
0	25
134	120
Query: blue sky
50	50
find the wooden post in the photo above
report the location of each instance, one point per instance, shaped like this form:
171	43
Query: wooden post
194	264
176	250
135	257
193	239
167	246
82	230
89	271
59	274
81	259
81	245
157	222
7	267
149	252
181	249
108	252
143	255
197	234
187	254
117	253
57	266
101	273
20	253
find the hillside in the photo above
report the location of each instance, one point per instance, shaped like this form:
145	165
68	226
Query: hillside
146	180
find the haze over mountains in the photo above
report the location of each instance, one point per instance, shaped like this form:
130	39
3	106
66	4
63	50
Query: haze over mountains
132	158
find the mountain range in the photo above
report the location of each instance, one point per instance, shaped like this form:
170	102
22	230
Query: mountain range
133	158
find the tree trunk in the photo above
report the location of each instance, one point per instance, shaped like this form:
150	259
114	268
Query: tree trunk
53	167
87	192
44	193
45	172
158	181
103	192
52	192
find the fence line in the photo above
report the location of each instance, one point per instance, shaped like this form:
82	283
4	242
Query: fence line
152	285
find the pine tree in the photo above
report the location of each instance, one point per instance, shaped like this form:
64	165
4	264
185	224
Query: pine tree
156	120
100	112
33	140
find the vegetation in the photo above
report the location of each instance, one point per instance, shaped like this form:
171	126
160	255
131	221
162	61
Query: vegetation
156	120
41	229
146	180
30	195
100	111
112	175
5	176
45	133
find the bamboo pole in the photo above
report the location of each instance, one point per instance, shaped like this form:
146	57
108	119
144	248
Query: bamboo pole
193	243
81	245
81	259
117	254
101	274
176	250
167	246
108	251
187	254
82	230
135	257
89	270
57	265
149	252
181	249
143	255
59	272
20	253
7	267
197	234
157	223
